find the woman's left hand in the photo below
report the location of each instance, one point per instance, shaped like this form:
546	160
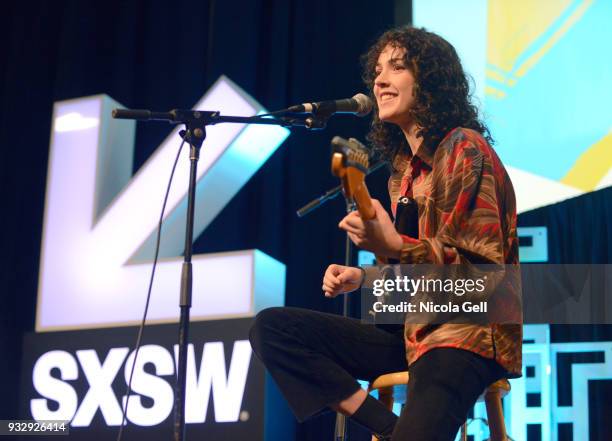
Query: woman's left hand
377	235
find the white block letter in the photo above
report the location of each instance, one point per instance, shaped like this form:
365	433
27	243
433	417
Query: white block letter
54	389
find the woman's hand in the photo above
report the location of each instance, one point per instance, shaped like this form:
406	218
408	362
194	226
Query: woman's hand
377	235
339	279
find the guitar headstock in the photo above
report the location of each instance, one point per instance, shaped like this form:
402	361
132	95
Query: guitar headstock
350	162
349	153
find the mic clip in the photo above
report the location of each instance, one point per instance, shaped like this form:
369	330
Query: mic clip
316	122
310	122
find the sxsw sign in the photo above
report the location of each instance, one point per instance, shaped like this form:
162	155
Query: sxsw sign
82	376
227	386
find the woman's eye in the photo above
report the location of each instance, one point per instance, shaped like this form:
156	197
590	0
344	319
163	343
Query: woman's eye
398	67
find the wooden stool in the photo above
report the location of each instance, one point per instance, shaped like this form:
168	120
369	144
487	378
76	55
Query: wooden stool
492	397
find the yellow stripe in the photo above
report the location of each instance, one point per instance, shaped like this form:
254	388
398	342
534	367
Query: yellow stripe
494	75
572	19
513	26
500	78
496	93
591	166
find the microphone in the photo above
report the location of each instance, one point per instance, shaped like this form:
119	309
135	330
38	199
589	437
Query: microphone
359	105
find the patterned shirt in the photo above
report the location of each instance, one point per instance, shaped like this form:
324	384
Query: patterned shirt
466	213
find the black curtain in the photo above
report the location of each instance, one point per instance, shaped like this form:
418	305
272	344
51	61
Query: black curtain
579	229
579	232
162	55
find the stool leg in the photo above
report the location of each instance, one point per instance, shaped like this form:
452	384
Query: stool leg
385	396
464	432
495	416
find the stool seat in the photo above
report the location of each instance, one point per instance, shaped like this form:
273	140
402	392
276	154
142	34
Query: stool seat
389	380
502	386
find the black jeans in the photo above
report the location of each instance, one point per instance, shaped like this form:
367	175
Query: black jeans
315	359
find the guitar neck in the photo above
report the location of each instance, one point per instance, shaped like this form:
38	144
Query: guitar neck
362	198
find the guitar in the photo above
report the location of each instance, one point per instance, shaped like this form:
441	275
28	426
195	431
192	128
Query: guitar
350	162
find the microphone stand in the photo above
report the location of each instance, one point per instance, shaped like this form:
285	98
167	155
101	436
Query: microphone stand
195	133
340	428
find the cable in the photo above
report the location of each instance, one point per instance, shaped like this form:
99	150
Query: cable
146	310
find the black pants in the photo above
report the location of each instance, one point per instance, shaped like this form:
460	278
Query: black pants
315	359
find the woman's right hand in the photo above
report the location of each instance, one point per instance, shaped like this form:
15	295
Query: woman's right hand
339	279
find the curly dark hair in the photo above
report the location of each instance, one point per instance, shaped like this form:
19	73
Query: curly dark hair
442	92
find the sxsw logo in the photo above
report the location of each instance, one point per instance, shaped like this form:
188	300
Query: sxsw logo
98	242
227	385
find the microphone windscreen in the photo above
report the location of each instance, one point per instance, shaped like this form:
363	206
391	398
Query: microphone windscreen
131	114
365	104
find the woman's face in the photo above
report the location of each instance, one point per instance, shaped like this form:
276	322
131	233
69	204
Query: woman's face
393	87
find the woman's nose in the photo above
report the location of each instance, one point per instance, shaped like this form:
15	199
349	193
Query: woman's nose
381	79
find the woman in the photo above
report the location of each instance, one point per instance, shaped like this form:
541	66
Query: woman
429	131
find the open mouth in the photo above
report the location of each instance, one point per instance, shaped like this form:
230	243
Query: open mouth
386	96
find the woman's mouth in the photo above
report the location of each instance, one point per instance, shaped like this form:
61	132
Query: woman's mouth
385	97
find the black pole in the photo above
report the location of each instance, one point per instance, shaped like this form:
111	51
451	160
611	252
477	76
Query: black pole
348	256
195	137
340	431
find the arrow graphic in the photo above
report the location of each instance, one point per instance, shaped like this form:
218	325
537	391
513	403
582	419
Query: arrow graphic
99	226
